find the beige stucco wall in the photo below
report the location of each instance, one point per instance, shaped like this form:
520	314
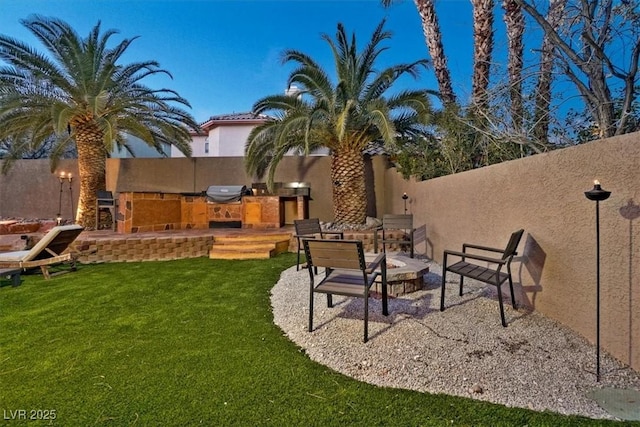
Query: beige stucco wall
544	194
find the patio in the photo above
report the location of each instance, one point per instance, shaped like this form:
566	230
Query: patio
533	363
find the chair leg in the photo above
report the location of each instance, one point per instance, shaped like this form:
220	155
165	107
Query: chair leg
513	298
298	260
366	315
385	302
504	322
329	300
461	282
311	309
444	276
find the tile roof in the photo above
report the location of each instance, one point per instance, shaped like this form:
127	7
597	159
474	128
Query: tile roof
248	118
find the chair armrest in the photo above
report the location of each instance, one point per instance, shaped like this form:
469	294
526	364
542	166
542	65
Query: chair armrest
371	266
484	248
476	257
304	236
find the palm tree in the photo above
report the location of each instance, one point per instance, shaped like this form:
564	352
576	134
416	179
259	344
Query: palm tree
344	117
482	52
79	93
514	20
433	38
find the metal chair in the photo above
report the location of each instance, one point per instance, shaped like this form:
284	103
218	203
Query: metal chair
310	229
105	201
346	273
492	276
391	222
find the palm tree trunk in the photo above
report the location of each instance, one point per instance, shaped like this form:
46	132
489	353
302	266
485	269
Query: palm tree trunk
92	167
433	37
349	193
514	20
482	51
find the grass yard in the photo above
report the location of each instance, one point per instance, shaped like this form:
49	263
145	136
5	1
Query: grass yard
191	342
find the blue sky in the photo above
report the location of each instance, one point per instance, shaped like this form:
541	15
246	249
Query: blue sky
225	54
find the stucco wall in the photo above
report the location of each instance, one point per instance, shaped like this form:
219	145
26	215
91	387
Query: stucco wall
556	267
544	194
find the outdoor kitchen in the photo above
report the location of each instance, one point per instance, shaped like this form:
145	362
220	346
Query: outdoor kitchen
220	206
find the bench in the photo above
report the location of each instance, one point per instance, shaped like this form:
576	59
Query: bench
487	274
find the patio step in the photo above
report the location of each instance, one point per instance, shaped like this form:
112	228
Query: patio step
259	246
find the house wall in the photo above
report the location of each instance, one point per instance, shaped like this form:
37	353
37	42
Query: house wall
231	140
198	147
555	271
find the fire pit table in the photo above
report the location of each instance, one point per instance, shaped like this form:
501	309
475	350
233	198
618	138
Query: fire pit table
404	274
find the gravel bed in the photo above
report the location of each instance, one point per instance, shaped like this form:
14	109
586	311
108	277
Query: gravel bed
533	363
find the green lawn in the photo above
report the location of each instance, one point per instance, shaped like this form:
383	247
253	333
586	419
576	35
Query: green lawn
191	342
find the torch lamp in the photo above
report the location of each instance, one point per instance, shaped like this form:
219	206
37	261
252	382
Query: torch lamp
597	194
404	198
61	178
73	212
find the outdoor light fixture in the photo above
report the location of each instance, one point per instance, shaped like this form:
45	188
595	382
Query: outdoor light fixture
597	194
61	178
405	197
73	215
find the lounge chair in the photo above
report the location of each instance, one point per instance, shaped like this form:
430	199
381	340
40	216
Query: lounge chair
47	252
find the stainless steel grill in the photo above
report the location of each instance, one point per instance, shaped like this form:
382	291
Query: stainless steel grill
225	193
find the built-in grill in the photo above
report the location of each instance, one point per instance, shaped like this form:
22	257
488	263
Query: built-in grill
225	193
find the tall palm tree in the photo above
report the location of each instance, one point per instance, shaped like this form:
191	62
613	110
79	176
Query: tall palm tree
344	117
433	38
79	93
514	20
482	51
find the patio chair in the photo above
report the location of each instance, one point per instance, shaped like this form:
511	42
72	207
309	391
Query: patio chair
106	201
492	276
391	222
346	273
47	252
310	229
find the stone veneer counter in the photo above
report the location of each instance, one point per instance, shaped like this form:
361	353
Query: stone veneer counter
154	211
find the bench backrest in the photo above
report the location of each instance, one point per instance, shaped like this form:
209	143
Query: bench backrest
333	253
510	250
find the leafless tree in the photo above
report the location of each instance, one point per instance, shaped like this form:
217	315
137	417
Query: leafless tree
598	47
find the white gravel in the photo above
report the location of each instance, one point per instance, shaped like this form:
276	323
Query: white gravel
533	363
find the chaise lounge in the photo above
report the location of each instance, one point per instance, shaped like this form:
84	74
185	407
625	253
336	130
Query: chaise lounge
47	252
